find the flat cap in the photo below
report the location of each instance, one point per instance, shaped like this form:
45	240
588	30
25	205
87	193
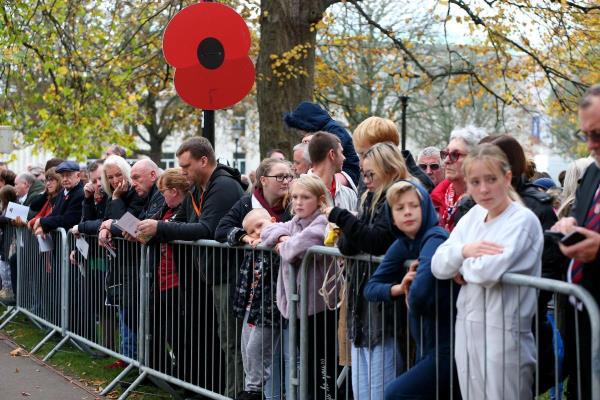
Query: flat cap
67	166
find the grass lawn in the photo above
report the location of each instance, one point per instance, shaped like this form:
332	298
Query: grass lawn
87	369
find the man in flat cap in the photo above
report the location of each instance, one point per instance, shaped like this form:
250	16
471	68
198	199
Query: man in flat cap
66	211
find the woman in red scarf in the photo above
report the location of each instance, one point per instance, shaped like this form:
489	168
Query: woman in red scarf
53	187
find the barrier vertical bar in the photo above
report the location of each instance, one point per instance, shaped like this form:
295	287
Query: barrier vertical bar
294	379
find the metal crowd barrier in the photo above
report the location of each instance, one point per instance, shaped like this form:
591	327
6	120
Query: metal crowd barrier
41	279
181	323
327	276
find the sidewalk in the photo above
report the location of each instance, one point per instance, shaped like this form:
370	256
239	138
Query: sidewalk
27	377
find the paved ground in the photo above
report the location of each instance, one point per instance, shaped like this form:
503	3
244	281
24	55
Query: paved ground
29	378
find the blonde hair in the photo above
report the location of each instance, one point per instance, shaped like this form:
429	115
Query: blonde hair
259	212
265	168
124	167
173	178
493	157
375	130
388	164
399	189
573	174
315	186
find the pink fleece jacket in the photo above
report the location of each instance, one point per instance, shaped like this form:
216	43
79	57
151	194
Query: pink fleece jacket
303	233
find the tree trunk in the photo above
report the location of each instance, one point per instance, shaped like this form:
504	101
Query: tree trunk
284	25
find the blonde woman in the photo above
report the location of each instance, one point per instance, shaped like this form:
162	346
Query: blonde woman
495	350
373	350
572	176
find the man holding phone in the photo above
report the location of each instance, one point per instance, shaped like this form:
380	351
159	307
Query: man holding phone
583	246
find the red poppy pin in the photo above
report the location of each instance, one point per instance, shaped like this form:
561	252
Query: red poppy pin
207	44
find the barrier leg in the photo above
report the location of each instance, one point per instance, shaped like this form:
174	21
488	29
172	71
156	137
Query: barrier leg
9	309
10	317
57	347
114	382
44	340
133	385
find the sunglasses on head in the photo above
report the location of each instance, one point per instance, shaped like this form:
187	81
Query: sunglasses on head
453	155
434	167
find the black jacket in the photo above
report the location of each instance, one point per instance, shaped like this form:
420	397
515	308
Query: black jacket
583	201
364	234
93	215
540	203
369	234
223	190
230	227
66	211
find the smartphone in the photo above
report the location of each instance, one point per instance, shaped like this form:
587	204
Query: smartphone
555	236
572	238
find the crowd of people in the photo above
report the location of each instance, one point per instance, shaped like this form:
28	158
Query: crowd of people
461	216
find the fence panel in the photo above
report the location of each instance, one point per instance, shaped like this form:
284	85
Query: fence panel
351	348
199	336
205	317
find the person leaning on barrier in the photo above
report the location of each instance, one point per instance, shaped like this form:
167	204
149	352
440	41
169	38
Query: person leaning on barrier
254	300
121	280
66	211
584	268
431	303
216	189
370	326
493	321
116	181
167	297
273	178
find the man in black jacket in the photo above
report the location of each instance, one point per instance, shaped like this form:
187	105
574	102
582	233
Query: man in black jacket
584	269
66	212
216	189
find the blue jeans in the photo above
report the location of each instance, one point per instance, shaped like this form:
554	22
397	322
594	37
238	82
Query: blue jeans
373	368
128	345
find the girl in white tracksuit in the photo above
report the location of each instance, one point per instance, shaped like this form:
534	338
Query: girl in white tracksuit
494	346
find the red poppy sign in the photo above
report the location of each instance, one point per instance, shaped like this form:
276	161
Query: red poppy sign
207	44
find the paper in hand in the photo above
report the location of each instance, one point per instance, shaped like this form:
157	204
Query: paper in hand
128	223
83	247
14	210
46	244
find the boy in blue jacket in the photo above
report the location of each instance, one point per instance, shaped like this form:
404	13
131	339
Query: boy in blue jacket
431	302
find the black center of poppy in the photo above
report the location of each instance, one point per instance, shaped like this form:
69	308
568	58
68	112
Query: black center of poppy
211	53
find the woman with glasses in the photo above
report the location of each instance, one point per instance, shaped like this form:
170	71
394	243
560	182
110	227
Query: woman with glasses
375	356
446	195
273	178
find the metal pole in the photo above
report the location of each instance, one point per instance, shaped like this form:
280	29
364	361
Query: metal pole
404	100
208	126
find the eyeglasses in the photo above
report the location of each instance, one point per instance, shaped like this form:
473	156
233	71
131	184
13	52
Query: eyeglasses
434	167
594	135
281	178
368	176
453	155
